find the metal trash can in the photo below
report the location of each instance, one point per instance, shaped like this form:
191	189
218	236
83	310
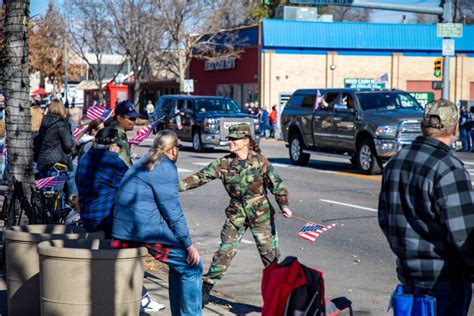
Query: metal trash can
89	277
22	263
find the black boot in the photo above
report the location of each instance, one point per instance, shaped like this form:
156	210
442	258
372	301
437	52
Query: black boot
206	289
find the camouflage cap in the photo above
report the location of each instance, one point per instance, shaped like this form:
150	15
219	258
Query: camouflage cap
446	111
239	131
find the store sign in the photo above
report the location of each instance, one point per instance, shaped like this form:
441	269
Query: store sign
219	64
449	30
423	98
360	83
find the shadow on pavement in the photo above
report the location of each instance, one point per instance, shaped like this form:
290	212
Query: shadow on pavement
234	307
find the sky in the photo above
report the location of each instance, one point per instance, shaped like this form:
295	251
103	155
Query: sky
378	16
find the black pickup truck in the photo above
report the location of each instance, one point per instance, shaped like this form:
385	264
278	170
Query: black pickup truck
203	120
366	125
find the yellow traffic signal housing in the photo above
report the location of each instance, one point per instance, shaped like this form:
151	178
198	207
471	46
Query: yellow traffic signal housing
438	67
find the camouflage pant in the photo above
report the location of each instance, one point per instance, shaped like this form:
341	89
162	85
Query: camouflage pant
265	237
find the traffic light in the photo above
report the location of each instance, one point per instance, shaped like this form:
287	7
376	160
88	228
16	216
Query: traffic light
265	2
438	64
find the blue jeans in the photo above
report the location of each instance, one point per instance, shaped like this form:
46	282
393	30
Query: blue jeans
465	139
453	300
150	118
185	282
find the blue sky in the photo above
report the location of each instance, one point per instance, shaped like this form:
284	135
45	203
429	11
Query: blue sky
379	16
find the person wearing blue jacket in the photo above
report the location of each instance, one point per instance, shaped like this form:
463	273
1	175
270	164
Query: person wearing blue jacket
148	213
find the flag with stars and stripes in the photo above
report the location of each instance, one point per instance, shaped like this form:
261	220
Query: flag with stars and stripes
311	231
77	131
98	112
144	132
50	182
317	101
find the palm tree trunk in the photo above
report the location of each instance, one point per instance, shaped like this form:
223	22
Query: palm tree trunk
16	87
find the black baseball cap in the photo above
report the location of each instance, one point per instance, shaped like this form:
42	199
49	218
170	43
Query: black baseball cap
126	108
108	136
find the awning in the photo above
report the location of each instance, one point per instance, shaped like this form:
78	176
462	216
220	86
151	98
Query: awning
91	85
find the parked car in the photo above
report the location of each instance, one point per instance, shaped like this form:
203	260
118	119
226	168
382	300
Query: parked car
366	125
203	120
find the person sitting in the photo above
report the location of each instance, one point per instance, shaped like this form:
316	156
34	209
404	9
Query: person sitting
98	177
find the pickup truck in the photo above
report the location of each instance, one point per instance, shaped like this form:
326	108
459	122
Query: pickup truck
203	120
366	125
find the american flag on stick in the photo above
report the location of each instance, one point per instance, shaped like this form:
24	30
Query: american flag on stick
98	112
77	131
317	101
144	132
311	231
51	181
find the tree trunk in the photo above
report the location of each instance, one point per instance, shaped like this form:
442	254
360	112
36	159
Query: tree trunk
137	91
17	88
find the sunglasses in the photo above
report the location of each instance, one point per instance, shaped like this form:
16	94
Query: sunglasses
132	119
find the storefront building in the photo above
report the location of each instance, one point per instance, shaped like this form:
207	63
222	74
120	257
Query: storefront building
231	77
291	55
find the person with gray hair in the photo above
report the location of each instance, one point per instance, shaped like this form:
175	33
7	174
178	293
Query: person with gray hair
148	213
426	211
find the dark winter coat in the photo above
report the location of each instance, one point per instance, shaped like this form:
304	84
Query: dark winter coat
54	143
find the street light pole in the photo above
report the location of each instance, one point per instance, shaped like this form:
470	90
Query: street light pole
447	18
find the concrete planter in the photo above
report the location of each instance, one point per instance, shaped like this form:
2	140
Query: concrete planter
88	277
22	263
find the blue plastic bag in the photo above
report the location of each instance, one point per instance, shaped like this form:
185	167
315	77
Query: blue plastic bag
412	305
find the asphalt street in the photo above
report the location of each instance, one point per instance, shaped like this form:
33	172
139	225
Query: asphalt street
354	256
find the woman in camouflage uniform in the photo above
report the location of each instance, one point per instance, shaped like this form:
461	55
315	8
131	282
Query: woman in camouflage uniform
246	175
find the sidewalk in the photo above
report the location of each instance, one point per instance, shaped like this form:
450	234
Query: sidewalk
156	282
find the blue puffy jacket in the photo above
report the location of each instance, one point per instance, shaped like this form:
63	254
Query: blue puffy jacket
147	207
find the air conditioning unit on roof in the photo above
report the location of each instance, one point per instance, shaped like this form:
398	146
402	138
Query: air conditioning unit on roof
297	13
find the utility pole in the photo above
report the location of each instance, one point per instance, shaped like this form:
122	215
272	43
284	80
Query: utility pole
447	18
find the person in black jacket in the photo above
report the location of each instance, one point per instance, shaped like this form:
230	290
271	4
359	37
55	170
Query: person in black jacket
55	141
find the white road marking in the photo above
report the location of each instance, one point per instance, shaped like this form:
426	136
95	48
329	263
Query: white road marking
282	165
184	170
149	139
350	205
201	163
248	242
468	163
326	171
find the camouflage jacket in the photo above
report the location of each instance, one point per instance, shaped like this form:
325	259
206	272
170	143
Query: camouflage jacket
243	184
125	151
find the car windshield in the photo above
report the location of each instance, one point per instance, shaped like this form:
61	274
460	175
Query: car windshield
373	101
216	105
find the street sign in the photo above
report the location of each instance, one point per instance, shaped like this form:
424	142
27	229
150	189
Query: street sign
360	83
188	86
437	85
449	30
423	98
324	2
448	47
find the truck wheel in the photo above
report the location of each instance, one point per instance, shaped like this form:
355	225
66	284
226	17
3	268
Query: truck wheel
197	144
367	159
297	156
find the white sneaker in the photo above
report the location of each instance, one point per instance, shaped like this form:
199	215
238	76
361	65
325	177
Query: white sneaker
149	305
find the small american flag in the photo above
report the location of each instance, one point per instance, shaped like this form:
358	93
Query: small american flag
77	131
317	102
98	112
4	151
311	231
144	132
382	78
50	182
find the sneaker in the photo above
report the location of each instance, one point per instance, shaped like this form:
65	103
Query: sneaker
206	290
149	305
